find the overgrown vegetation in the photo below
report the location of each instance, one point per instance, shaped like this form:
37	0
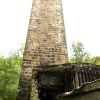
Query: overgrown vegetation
9	76
10	69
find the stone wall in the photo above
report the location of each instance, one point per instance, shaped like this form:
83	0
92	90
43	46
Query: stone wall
66	81
45	43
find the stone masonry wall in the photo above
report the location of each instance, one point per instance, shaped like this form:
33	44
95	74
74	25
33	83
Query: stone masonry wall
46	34
69	82
45	43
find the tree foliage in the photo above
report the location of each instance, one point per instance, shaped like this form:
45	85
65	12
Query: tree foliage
96	60
9	75
10	68
79	55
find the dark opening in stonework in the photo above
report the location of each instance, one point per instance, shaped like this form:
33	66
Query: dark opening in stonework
56	81
49	94
50	84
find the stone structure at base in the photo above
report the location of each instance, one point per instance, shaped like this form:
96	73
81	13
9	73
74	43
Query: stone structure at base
45	74
45	43
69	82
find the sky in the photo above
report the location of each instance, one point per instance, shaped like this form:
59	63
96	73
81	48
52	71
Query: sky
81	18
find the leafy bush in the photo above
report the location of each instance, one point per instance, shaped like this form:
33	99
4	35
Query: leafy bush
9	76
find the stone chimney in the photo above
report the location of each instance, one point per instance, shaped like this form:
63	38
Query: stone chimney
45	43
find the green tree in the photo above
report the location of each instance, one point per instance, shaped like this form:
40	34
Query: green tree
79	55
9	75
10	68
96	60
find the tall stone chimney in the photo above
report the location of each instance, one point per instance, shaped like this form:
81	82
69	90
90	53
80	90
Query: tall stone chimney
45	43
